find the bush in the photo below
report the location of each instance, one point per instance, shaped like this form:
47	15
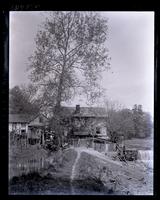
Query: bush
90	184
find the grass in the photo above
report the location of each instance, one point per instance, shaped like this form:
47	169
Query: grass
62	162
54	178
140	144
34	183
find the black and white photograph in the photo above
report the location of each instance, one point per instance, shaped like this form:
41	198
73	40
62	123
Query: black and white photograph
81	103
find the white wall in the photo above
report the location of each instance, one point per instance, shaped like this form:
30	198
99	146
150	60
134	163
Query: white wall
18	127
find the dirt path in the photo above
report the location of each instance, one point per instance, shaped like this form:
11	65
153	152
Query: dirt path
73	171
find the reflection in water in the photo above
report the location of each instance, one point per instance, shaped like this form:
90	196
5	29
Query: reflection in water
26	166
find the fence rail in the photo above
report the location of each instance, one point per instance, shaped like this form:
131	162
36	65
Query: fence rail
92	143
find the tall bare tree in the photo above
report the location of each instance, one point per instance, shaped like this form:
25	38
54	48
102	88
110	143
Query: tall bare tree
113	120
70	55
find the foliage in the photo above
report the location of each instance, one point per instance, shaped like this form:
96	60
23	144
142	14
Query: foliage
130	123
20	100
69	58
142	122
69	47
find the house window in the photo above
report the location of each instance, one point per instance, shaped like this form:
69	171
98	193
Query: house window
98	130
40	119
23	126
23	131
77	123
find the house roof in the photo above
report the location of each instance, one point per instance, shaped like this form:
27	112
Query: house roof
25	118
99	112
84	112
36	124
22	118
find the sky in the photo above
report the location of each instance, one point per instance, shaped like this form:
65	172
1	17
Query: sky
131	48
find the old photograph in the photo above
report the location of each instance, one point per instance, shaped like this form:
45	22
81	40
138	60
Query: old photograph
81	103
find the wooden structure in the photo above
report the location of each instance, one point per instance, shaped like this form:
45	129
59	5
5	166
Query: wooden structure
28	128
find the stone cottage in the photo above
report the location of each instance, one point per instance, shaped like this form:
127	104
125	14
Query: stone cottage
85	121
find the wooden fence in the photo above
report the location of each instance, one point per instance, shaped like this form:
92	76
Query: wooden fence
92	143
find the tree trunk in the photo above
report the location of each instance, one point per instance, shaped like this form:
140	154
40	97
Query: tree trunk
57	111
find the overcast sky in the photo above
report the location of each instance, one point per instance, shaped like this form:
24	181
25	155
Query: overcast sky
131	47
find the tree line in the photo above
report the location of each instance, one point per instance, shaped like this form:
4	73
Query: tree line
21	100
119	121
131	123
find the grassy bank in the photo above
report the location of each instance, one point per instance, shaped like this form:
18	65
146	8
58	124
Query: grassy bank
140	144
54	177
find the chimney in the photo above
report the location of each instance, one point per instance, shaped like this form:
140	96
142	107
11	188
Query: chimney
77	108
